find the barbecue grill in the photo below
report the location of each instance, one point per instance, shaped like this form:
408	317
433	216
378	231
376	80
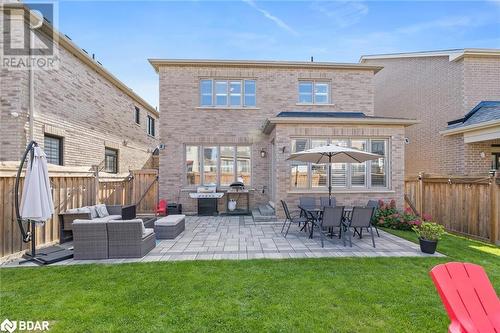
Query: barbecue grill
207	199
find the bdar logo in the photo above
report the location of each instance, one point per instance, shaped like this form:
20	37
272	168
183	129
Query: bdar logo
8	326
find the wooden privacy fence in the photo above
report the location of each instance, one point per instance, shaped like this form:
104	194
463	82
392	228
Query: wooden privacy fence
74	189
464	205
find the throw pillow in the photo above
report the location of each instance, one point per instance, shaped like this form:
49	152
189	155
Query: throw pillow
93	212
102	211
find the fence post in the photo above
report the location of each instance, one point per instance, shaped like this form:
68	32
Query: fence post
494	219
96	180
420	204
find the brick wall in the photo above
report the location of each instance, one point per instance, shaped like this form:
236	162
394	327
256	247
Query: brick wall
183	122
434	90
79	104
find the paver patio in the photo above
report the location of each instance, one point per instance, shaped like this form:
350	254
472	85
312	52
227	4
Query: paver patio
239	237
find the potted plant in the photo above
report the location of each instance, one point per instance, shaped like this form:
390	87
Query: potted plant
428	235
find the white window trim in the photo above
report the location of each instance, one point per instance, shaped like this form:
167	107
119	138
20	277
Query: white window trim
228	94
202	166
314	82
348	188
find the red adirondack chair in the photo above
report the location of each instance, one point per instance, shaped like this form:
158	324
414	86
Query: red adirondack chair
161	208
468	296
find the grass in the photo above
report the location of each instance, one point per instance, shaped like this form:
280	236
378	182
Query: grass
314	295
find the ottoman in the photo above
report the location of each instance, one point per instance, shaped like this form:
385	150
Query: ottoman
170	226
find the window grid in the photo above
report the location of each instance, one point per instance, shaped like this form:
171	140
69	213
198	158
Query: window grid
137	115
53	148
314	92
110	160
240	164
151	126
227	93
345	176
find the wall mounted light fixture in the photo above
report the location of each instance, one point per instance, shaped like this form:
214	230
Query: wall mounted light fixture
263	153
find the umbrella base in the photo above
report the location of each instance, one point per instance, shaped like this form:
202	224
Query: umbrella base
47	256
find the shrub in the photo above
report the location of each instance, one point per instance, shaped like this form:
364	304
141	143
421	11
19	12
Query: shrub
429	231
388	216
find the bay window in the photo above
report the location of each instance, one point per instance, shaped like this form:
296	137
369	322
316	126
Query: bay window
370	174
227	93
219	165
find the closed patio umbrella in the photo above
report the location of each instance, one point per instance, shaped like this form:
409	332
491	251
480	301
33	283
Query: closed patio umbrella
36	202
333	154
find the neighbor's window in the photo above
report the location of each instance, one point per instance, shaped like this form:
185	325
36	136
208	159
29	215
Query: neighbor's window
313	92
137	115
53	147
110	160
370	174
221	165
227	93
151	126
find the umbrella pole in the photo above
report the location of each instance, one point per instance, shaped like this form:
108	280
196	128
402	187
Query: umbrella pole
330	180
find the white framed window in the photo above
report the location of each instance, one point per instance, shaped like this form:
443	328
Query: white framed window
314	92
217	164
367	175
227	93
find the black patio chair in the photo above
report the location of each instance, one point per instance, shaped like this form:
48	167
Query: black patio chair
374	204
307	203
291	219
361	217
325	202
332	217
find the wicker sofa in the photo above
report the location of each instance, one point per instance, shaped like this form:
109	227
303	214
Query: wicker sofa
112	239
116	212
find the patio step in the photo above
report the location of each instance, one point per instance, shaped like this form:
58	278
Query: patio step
264	213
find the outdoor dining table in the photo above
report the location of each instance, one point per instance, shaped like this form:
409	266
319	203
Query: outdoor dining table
316	212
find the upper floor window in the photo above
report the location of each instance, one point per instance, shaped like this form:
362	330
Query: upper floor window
151	126
137	115
227	93
53	147
314	92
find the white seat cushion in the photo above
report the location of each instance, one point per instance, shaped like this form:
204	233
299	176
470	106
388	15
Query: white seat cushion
147	232
107	218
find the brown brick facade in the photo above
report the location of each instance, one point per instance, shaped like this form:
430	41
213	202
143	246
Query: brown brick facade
435	90
79	103
184	122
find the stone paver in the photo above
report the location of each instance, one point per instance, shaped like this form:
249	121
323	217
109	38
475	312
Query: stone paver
239	238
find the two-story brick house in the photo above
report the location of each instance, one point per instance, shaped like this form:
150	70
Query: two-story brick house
440	88
82	114
228	120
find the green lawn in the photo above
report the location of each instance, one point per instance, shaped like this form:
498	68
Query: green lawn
313	295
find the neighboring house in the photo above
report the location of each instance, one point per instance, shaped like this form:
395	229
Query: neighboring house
437	87
478	134
228	120
83	116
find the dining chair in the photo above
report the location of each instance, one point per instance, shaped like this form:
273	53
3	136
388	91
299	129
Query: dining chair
361	217
325	202
332	218
291	219
307	203
374	204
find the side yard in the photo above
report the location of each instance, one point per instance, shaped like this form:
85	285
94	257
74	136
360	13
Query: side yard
339	295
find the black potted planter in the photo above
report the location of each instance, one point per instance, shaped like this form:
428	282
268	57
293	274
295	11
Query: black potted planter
428	246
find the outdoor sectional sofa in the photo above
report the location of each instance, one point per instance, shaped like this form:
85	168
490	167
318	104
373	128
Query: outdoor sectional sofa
112	239
115	212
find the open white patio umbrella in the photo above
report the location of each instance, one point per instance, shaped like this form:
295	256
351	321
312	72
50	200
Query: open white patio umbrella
333	154
36	202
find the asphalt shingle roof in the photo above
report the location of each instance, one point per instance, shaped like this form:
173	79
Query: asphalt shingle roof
483	112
